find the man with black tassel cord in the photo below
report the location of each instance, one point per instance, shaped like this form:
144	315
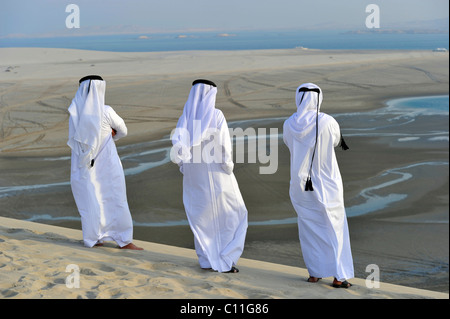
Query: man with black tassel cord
316	188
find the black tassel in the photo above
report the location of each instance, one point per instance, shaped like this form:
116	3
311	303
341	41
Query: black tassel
308	186
343	144
92	163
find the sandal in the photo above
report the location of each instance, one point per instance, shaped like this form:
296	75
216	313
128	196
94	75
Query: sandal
232	270
341	284
313	279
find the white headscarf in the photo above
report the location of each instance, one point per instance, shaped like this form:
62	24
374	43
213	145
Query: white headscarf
198	118
86	113
303	122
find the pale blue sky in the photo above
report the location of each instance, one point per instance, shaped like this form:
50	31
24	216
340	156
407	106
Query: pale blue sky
37	17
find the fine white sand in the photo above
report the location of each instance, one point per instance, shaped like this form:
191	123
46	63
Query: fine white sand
34	258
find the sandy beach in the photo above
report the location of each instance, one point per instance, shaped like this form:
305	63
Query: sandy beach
409	240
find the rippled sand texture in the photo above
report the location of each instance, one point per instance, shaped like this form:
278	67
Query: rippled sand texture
41	261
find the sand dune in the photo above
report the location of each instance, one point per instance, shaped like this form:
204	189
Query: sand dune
34	259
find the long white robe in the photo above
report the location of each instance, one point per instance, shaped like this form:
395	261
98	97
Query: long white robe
99	191
322	221
213	202
214	205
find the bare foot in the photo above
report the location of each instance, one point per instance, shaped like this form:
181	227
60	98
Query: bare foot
132	247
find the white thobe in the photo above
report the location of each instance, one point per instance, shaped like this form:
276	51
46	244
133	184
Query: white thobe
322	220
99	191
213	202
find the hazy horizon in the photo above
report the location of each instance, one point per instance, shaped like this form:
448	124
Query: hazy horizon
47	18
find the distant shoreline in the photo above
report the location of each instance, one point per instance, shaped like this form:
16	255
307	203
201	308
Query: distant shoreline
381	39
397	31
223	31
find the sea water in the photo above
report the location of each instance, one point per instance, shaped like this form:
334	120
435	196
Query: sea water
241	40
399	112
425	105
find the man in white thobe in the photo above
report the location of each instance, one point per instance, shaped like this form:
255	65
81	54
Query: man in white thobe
316	188
96	176
214	206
